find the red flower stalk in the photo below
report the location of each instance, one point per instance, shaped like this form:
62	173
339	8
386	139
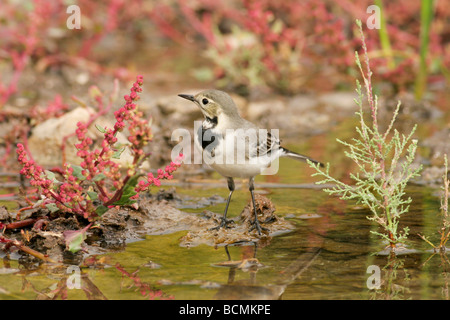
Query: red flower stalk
162	174
97	168
31	170
69	197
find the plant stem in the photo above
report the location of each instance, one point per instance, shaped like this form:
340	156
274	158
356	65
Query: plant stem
384	37
20	224
19	245
118	194
58	198
426	16
367	76
445	232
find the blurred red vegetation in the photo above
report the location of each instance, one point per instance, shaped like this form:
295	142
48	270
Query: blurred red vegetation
287	46
321	33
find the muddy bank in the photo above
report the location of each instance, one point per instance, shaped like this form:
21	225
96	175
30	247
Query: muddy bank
239	230
156	214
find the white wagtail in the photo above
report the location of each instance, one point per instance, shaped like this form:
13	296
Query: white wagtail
235	147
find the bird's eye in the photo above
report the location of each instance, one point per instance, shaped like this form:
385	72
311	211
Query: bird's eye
205	101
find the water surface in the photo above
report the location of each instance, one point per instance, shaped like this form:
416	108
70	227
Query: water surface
326	256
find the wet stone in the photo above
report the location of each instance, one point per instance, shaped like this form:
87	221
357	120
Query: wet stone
239	229
4	215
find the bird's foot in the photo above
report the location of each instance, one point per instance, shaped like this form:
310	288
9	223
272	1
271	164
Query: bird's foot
257	225
223	224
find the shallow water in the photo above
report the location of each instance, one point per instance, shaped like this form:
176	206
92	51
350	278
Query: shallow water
327	256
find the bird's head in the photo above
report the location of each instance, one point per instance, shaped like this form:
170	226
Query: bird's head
214	104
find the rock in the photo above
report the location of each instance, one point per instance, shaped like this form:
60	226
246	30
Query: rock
301	103
241	103
4	214
259	109
431	176
293	125
343	101
119	225
264	208
238	229
300	114
439	145
48	243
47	138
180	201
297	115
174	104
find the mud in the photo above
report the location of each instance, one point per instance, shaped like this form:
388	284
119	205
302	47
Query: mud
240	228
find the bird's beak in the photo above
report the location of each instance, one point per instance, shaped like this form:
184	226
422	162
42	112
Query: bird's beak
187	96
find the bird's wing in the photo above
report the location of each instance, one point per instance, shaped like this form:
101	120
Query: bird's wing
267	144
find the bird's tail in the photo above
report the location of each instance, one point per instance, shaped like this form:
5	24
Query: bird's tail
297	156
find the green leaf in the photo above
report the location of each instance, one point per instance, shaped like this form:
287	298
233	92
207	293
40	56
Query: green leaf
101	210
50	175
92	195
118	153
52	207
102	130
75	238
125	199
128	192
94	92
99	177
77	172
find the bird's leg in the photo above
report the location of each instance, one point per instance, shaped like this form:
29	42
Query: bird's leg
224	221
256	224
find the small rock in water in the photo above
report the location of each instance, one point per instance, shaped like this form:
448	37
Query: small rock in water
310	216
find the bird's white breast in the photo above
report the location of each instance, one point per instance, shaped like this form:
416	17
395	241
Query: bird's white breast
229	153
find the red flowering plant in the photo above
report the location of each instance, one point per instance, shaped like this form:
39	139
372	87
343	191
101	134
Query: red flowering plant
99	182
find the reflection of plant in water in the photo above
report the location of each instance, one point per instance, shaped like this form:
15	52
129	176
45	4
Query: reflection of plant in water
384	161
394	281
445	228
445	263
62	288
144	288
444	232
